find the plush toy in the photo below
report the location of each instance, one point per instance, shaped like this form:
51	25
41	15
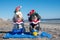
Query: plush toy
17	15
18	21
34	19
34	32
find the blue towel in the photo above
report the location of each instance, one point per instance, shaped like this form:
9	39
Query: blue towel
45	34
27	35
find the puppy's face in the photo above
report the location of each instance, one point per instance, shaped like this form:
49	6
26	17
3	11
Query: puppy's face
18	17
34	18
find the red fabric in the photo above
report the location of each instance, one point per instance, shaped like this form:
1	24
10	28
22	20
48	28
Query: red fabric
19	21
17	8
35	20
31	12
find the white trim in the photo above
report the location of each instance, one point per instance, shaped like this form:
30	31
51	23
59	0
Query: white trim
18	22
35	22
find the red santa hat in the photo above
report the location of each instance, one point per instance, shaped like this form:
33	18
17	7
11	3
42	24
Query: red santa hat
18	8
31	12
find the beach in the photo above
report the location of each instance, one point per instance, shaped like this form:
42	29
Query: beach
52	28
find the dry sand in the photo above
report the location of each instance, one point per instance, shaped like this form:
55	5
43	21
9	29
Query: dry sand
53	28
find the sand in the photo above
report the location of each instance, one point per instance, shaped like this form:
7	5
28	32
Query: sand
53	28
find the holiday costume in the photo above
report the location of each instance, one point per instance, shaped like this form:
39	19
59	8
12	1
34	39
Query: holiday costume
34	19
18	21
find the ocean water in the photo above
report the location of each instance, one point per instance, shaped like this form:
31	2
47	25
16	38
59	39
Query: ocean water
50	20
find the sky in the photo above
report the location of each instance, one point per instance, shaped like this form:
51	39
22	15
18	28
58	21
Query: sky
47	9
